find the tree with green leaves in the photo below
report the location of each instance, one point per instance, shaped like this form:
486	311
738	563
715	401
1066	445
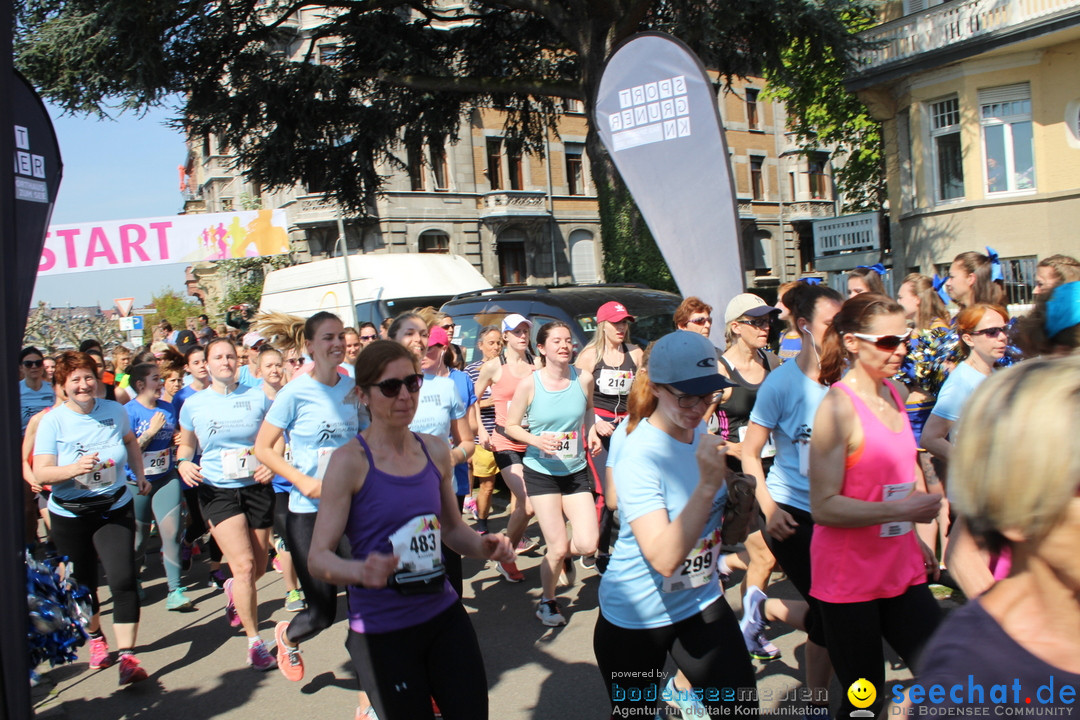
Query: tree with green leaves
403	73
174	307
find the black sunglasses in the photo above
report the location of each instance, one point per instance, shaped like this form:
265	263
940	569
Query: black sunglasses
392	387
367	338
759	322
32	363
990	332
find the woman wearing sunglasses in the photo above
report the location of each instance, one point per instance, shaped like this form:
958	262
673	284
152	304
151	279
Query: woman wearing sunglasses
868	567
660	595
390	492
784	408
558	402
983	332
34	393
234	489
318	413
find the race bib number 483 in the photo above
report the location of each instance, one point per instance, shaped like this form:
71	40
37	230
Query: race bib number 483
418	544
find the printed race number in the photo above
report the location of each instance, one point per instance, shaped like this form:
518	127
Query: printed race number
697	568
156	462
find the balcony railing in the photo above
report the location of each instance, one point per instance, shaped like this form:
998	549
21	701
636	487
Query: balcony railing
954	22
808	209
311	209
520	203
847	233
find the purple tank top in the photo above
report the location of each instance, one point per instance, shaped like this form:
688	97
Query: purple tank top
390	505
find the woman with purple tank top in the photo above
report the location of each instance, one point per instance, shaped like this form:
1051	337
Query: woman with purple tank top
390	492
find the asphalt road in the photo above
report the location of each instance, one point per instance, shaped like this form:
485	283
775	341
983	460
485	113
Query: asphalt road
197	662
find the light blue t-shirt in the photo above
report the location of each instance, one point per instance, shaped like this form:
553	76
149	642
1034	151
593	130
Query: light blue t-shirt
226	426
69	435
349	369
654	471
319	419
31	402
157	455
244	377
467	393
956	391
786	404
438	404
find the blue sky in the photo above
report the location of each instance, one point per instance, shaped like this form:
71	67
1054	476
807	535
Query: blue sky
115	169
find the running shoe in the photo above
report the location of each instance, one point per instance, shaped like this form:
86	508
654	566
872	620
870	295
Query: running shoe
753	628
469	507
130	672
177	600
289	661
526	544
276	563
294	602
569	572
217	579
602	560
587	562
509	570
686	700
259	657
99	653
230	608
550	613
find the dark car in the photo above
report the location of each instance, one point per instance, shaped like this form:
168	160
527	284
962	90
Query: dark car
576	306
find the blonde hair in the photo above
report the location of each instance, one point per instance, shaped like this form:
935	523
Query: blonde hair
1016	464
284	331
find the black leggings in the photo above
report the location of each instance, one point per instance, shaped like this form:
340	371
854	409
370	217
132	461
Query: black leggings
708	647
403	670
320	595
197	527
793	555
109	536
607	516
854	632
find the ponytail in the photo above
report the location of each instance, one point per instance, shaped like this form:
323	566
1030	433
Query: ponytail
855	316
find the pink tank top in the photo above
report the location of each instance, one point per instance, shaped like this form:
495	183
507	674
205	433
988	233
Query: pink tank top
502	392
880	561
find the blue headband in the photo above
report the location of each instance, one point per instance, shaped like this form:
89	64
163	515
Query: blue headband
1063	308
995	264
939	288
810	280
876	267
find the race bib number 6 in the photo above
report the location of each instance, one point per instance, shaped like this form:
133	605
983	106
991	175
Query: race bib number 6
102	476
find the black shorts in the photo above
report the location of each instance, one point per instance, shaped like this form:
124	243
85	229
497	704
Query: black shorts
506	458
538	483
254	502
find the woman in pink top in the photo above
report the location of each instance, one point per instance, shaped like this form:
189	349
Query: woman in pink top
869	568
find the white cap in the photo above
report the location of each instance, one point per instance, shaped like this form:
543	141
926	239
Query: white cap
512	320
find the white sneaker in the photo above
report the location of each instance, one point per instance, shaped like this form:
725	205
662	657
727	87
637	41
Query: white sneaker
550	614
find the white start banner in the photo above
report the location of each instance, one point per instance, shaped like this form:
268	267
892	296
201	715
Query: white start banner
657	115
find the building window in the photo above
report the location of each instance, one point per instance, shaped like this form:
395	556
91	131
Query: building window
1019	276
794	189
948	158
1008	146
753	121
583	257
575	171
494	163
514	169
415	161
438	167
572	105
206	146
328	54
511	251
434	241
819	180
757	181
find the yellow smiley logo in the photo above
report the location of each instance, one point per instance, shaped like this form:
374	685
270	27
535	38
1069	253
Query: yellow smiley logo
862	693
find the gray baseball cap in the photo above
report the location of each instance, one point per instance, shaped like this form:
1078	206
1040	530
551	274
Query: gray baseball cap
687	362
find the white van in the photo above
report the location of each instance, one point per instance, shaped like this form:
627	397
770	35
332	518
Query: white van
383	285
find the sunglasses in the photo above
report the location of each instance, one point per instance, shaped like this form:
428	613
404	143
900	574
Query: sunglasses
32	363
990	332
700	320
451	326
392	387
884	342
367	338
761	323
689	401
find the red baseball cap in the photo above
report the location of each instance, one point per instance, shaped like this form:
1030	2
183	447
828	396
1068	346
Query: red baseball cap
613	312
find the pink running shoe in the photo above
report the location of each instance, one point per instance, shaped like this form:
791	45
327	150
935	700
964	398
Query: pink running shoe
260	658
230	608
99	653
130	672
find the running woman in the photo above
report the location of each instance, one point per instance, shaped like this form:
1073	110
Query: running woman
80	450
482	464
318	410
502	375
868	567
233	488
612	362
785	406
390	493
558	402
154	423
34	393
660	595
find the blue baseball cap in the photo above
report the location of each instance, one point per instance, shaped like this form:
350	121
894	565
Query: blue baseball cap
687	362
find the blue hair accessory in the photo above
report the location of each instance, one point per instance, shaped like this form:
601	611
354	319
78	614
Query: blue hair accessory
810	280
876	267
995	264
1063	308
939	288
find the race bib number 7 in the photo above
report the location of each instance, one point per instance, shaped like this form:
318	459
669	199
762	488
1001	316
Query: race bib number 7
238	464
